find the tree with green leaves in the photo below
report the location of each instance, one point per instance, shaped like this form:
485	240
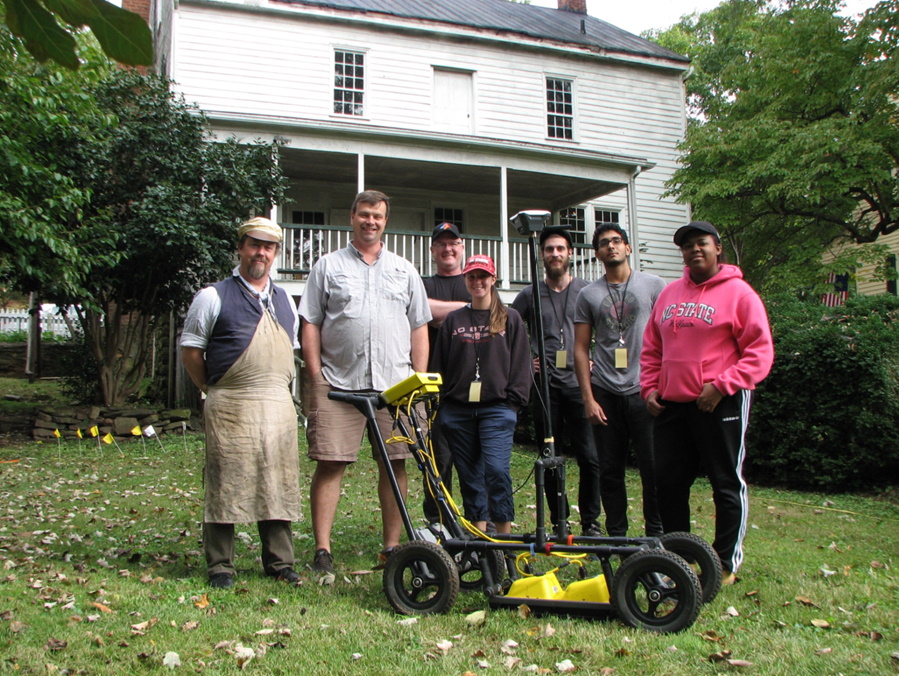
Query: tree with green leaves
49	124
123	35
793	142
116	201
174	198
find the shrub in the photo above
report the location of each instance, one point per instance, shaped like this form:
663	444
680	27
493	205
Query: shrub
827	417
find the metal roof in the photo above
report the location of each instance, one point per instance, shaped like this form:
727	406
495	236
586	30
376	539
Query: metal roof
501	15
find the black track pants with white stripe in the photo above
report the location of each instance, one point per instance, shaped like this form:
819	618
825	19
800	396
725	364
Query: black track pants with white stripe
688	442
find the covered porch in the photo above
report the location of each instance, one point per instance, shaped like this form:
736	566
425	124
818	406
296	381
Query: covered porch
477	183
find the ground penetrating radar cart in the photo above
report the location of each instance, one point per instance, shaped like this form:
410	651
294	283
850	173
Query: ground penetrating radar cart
657	584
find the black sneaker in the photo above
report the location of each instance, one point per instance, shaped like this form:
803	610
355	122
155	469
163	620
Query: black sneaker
593	530
222	580
287	574
323	561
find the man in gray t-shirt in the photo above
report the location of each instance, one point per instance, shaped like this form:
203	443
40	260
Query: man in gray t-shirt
614	310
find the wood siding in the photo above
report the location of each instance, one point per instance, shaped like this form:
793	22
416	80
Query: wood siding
274	65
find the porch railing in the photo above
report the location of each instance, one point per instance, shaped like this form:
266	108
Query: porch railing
304	245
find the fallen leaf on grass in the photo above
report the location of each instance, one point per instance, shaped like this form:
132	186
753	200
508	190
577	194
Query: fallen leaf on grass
327	579
671	648
732	611
720	656
409	621
739	662
361	572
827	573
622	652
483	664
895	656
54	645
826	650
565	666
510	662
712	636
524	611
547	631
877	565
243	655
508	646
202	601
103	608
530	668
190	625
805	601
264	632
476	618
171	660
444	645
872	635
16	626
356	656
821	623
607	671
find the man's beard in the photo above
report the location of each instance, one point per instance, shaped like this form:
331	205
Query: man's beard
256	270
556	272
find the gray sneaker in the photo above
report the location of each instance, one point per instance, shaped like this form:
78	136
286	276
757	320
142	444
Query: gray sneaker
323	561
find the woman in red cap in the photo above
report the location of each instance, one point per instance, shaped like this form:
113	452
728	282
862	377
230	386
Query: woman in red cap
482	352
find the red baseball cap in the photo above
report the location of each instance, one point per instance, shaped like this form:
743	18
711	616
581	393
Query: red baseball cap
480	262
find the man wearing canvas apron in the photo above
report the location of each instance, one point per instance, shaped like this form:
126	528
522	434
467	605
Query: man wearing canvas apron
237	346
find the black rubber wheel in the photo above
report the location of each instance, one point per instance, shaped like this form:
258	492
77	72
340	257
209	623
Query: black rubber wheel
701	557
471	562
421	578
656	590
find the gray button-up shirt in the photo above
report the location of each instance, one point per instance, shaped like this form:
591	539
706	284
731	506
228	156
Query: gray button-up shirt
366	313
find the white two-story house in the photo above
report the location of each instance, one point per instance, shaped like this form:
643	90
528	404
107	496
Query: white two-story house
465	111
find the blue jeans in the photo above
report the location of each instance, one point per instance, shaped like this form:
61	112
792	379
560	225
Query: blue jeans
480	438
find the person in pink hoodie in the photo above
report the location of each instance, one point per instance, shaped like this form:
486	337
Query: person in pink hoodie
706	346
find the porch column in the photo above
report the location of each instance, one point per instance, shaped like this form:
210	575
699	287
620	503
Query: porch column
632	218
360	173
504	227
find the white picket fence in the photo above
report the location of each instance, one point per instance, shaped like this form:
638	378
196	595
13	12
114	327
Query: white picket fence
51	321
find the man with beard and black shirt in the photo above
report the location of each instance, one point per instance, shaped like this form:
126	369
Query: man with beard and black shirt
571	431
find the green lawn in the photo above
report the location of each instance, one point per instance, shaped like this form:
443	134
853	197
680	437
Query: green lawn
101	572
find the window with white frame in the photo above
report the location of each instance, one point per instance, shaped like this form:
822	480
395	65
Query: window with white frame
574	219
559	109
601	216
450	215
349	82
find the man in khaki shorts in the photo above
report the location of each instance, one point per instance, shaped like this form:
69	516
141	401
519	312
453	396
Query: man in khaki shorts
365	328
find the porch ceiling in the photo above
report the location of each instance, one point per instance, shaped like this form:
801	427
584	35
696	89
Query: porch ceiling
547	190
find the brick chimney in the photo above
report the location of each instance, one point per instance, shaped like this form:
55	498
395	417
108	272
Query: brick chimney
577	6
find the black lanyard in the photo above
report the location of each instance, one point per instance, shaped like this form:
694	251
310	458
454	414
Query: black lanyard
552	303
619	312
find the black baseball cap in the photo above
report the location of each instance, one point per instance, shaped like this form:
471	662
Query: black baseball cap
555	230
445	227
703	226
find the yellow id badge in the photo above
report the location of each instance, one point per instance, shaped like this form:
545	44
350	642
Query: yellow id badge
474	392
561	359
620	358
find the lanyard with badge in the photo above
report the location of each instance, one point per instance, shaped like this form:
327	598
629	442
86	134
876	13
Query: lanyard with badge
562	353
474	388
621	351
